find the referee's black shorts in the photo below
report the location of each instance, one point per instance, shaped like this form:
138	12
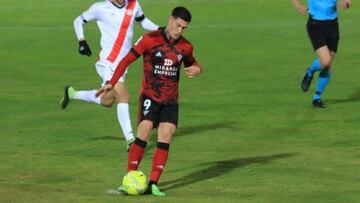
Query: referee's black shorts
323	32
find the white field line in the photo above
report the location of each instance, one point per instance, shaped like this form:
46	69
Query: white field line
113	192
234	25
19	5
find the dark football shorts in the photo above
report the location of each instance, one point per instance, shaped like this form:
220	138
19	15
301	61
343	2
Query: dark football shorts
157	112
323	33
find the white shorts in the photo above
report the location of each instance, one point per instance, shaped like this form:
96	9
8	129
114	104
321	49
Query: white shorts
106	69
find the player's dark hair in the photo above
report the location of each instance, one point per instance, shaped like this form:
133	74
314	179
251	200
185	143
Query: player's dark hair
181	12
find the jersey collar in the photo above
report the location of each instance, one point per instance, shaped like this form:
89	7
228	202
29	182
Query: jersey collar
117	5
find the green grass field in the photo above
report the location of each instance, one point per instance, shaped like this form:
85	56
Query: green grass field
246	134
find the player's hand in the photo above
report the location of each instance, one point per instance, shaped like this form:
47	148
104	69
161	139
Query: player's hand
192	71
302	9
84	48
104	89
345	4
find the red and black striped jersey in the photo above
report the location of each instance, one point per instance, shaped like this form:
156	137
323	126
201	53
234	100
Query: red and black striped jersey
162	61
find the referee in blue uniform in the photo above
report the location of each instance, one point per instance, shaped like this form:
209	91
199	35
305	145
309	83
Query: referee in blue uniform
323	31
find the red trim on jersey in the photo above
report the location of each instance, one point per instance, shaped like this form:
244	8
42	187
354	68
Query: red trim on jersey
122	33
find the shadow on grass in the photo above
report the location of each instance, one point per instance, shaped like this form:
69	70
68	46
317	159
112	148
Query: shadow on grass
189	130
219	168
354	97
182	131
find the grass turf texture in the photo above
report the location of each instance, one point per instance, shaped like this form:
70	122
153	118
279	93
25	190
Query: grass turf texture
246	134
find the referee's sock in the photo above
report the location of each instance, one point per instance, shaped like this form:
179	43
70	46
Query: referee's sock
315	66
323	80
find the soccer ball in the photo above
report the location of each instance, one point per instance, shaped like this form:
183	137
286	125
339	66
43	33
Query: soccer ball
134	183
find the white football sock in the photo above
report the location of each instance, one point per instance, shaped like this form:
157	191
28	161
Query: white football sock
124	120
88	96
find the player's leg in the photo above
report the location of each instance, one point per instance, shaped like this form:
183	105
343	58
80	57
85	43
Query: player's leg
314	67
122	109
165	133
309	74
167	127
70	93
325	58
148	119
137	149
315	30
106	100
326	55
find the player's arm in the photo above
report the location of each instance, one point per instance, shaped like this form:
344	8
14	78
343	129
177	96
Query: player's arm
345	4
145	22
90	14
136	51
192	67
119	71
84	48
302	9
130	57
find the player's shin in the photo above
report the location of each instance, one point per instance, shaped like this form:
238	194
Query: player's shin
136	153
323	80
315	66
88	96
124	121
159	160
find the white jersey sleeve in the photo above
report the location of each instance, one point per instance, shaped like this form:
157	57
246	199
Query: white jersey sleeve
88	15
92	13
148	25
144	22
139	13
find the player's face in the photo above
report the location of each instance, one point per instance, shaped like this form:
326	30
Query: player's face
176	27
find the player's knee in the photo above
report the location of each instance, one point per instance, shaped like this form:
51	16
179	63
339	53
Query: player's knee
325	72
166	138
144	129
326	63
106	103
143	136
165	135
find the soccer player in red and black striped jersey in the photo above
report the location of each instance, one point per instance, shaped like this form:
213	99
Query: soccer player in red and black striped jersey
163	51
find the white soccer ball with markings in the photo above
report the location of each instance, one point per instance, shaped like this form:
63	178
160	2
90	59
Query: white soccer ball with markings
134	183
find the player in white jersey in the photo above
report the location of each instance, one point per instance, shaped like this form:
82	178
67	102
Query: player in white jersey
115	19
